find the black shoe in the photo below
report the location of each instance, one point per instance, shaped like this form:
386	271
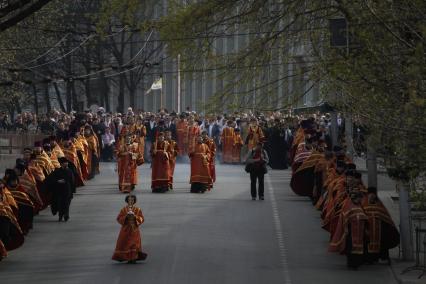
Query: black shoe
261	198
253	198
66	218
60	218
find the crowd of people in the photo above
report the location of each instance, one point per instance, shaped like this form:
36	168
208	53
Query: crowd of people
46	175
228	131
49	173
358	223
163	139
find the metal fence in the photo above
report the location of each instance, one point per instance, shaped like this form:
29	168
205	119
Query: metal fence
419	223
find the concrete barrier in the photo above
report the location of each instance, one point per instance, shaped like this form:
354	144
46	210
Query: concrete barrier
12	146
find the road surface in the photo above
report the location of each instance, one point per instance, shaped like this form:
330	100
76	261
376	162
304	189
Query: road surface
218	237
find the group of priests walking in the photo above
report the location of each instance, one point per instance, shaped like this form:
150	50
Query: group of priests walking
130	152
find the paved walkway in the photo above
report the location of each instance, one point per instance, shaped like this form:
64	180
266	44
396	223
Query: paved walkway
219	237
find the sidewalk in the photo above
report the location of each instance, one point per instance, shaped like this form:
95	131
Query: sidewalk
389	196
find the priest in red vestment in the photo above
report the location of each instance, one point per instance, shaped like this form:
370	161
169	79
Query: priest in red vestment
182	135
200	171
127	155
160	177
129	243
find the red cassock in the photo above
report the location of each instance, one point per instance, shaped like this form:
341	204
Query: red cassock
129	243
173	152
228	141
26	208
383	234
127	166
29	185
354	216
9	226
212	161
182	136
236	151
160	176
200	170
193	132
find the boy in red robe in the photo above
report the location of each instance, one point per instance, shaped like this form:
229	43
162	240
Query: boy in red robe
129	243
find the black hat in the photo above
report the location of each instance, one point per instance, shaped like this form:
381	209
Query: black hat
20	164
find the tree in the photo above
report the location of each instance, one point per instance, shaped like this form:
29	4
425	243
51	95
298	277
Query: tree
378	76
13	12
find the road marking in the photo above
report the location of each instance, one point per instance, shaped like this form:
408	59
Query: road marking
279	232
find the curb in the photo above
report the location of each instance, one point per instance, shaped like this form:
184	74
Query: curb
399	277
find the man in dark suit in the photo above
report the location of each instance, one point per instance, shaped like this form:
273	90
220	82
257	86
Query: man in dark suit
62	185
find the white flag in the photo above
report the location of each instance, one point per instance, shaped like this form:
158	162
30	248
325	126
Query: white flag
157	85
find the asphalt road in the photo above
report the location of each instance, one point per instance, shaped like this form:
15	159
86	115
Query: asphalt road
218	237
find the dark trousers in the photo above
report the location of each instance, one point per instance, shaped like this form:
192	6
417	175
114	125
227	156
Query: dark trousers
64	203
256	176
107	153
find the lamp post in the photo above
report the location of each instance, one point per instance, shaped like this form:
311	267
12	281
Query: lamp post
178	83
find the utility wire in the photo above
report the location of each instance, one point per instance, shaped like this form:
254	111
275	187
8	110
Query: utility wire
48	51
71	51
124	65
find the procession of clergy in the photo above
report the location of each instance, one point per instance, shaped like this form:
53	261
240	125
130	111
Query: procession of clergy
164	151
48	174
359	224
